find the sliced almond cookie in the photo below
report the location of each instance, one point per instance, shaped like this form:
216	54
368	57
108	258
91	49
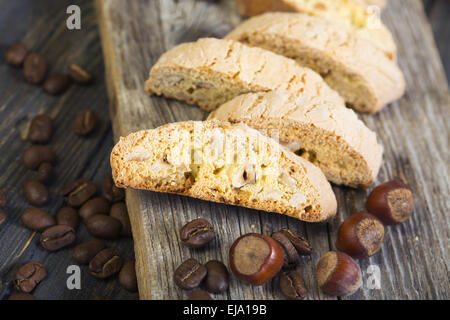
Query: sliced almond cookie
352	66
331	137
354	15
223	162
209	72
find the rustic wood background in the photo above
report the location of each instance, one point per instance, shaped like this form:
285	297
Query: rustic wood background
415	258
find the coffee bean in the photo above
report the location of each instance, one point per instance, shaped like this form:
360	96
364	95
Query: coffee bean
127	276
292	285
120	212
86	251
200	295
45	172
35	68
79	191
105	264
37	219
41	129
28	276
57	83
68	216
217	278
2	199
35	155
189	274
2	216
21	296
57	237
79	75
302	245
104	227
15	55
111	192
197	233
85	122
94	206
36	193
290	253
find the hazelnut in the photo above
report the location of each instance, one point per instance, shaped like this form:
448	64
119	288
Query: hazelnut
360	235
338	274
255	258
245	175
391	202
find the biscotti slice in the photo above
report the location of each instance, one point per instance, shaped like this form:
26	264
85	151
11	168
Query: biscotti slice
351	14
354	67
223	162
331	137
209	72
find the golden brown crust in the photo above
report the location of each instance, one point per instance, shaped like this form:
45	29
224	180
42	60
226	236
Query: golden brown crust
156	160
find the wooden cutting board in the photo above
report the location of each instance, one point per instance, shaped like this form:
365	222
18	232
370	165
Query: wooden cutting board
414	131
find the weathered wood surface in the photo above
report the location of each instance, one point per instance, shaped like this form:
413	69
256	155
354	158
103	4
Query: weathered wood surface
414	131
42	26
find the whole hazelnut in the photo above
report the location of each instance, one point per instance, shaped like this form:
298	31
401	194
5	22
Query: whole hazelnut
338	274
360	235
391	202
255	258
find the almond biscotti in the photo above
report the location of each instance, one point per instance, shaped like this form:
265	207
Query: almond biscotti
223	162
352	14
211	71
331	137
361	73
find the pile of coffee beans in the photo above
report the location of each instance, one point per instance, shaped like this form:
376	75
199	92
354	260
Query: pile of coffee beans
104	216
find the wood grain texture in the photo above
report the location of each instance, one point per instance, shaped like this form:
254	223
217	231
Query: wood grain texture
42	27
414	131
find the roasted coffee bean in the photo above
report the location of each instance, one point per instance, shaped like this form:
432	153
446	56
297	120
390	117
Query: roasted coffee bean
35	155
217	278
79	75
197	233
302	245
189	274
56	83
35	68
105	264
86	251
104	227
41	129
120	212
79	191
127	276
45	172
37	219
2	216
85	122
111	192
2	199
94	206
292	285
290	253
57	237
28	276
36	193
15	55
21	296
68	216
200	295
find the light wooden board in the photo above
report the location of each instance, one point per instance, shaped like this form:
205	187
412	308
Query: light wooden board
414	259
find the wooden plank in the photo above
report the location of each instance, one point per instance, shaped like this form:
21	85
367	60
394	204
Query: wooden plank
414	131
42	28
